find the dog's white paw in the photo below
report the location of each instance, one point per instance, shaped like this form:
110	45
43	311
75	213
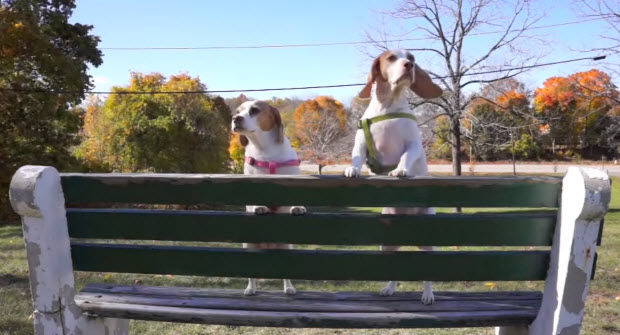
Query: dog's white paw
351	172
250	291
290	290
428	298
388	290
298	210
261	210
398	173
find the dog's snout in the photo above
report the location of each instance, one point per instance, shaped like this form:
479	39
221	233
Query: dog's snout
408	65
237	119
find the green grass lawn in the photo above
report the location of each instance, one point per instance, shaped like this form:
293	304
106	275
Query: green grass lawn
602	310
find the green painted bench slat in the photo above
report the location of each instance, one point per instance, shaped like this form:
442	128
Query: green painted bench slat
311	190
326	229
312	264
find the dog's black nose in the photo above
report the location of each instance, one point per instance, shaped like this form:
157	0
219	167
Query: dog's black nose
408	65
237	118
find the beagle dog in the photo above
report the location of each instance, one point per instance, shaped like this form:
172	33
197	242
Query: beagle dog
267	151
388	139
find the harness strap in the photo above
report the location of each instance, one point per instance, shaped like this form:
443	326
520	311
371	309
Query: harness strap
271	165
371	159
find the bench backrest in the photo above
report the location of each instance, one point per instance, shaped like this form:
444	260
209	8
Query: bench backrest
489	229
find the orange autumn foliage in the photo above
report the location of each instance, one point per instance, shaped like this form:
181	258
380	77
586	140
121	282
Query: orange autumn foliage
318	124
584	91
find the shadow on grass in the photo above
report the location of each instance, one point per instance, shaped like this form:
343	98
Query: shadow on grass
11	247
9	279
16	326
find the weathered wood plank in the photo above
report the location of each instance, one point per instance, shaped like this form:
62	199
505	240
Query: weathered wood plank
325	229
312	191
312	264
304	295
301	305
429	319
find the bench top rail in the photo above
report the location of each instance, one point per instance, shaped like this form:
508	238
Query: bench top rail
311	190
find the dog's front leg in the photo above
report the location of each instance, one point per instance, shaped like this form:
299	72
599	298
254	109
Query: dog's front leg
358	156
428	298
390	288
294	210
413	153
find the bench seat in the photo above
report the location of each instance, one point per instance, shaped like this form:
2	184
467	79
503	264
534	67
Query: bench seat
309	309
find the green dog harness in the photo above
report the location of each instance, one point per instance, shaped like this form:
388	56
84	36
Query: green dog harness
371	159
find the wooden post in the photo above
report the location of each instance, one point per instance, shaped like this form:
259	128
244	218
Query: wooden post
585	199
36	195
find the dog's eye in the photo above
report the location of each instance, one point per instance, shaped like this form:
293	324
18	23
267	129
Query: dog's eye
254	111
392	58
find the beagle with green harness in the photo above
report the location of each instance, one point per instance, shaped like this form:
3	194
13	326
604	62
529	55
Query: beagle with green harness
388	139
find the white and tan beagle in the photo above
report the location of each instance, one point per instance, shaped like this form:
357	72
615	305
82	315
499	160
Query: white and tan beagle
388	139
267	151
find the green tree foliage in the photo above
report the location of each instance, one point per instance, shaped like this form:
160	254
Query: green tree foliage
440	147
158	132
40	50
526	148
499	117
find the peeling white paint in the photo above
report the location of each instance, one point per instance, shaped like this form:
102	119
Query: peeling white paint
585	199
36	195
595	173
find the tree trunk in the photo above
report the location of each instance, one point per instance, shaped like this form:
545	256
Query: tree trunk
456	146
456	150
320	169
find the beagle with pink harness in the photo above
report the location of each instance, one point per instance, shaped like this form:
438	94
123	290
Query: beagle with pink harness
267	151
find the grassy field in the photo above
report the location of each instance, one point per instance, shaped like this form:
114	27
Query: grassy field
602	311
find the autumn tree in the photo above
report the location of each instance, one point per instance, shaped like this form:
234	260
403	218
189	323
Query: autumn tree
40	50
157	132
319	125
573	107
498	123
449	28
235	102
236	151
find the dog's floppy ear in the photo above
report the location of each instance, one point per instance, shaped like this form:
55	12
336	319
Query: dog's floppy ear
375	72
244	140
278	122
423	86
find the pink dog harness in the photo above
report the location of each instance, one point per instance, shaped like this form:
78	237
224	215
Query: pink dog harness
273	166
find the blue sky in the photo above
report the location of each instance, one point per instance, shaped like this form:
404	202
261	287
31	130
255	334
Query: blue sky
195	23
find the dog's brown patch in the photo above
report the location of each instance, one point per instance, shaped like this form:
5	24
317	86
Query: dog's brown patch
269	118
377	72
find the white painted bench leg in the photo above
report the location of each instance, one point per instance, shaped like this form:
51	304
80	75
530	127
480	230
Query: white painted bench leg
512	330
36	195
585	199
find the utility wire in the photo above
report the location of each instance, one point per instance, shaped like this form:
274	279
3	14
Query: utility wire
287	88
306	45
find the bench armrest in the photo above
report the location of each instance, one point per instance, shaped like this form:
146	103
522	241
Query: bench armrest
585	199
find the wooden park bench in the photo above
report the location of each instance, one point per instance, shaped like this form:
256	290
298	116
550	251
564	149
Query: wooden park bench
564	257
